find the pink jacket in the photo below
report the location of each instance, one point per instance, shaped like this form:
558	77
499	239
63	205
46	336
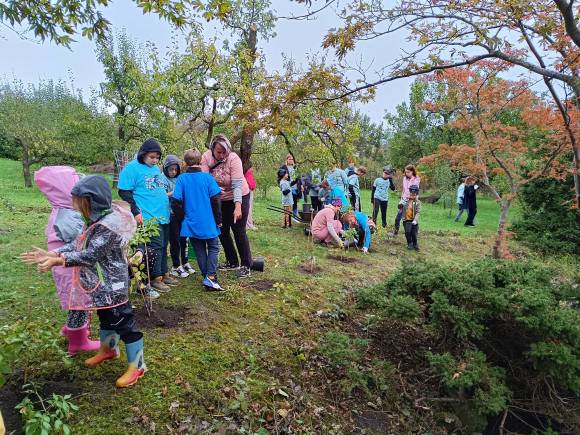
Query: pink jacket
56	182
408	182
224	173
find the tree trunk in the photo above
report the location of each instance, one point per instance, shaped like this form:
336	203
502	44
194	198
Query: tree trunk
121	129
248	130
576	150
211	124
26	163
499	249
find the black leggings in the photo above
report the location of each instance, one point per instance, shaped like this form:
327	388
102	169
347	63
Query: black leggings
121	320
295	199
471	212
239	230
177	244
316	203
382	205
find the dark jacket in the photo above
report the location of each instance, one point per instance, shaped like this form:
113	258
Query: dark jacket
469	198
99	252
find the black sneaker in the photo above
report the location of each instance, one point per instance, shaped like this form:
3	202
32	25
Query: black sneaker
244	272
228	266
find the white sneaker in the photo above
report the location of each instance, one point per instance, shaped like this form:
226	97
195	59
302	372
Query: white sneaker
187	267
179	272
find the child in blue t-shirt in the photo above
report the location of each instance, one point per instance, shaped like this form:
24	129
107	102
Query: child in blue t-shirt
199	194
360	221
144	187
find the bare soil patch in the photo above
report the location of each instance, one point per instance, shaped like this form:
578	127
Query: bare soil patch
345	259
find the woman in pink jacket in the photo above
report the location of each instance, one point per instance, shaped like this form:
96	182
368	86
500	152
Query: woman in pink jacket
64	225
325	227
410	179
226	168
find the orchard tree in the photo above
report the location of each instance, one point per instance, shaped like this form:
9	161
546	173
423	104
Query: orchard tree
540	36
517	137
49	123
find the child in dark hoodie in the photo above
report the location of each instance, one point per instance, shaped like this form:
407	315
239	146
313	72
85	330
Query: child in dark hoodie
100	273
177	245
144	187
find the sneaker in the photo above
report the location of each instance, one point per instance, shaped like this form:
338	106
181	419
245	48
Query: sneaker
409	247
169	280
228	266
150	293
212	284
187	267
179	272
244	272
160	286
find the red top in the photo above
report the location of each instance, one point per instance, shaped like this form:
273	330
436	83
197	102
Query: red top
249	175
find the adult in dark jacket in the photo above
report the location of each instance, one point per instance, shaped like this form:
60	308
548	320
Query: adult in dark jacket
470	201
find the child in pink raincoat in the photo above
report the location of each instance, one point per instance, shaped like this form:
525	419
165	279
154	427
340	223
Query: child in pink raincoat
64	225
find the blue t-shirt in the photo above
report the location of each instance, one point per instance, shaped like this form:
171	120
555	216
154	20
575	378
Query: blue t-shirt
382	187
337	178
337	193
362	220
149	187
196	189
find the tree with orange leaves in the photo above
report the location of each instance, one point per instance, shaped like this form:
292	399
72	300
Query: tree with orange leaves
516	135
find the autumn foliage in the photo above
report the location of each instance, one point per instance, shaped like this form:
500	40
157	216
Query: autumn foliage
516	136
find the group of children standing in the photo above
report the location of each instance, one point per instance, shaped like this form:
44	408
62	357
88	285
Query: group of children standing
88	236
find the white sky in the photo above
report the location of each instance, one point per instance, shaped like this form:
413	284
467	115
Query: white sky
31	61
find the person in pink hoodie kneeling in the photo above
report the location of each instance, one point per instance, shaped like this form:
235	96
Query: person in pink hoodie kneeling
64	225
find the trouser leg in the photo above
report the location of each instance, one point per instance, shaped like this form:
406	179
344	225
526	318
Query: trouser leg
213	249
384	205
225	236
240	235
200	254
174	242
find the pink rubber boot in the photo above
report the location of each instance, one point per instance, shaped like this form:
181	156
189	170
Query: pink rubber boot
78	340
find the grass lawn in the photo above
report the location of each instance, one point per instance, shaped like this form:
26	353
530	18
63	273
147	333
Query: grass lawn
237	360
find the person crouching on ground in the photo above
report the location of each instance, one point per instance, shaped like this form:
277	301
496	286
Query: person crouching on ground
100	274
325	227
287	200
199	194
411	212
363	226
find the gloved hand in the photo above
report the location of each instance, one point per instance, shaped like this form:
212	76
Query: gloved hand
341	244
414	222
365	250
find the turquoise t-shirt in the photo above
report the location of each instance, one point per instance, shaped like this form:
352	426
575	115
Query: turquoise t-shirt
196	189
149	187
362	220
382	187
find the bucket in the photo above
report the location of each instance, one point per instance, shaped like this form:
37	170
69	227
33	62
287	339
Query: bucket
307	231
306	208
258	264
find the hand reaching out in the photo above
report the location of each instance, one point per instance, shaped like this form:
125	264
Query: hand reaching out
36	256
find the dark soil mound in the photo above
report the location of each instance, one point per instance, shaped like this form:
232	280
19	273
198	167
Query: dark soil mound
161	316
346	260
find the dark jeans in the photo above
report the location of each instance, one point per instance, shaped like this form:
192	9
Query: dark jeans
355	202
382	205
206	253
121	320
316	203
159	245
177	244
295	198
411	233
470	216
398	218
239	230
460	212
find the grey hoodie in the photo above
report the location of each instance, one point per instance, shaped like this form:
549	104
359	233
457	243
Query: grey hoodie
171	160
97	189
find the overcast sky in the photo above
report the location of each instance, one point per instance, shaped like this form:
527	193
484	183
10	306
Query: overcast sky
31	61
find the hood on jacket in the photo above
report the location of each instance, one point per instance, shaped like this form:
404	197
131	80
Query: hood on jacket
149	146
56	182
221	139
97	189
170	160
